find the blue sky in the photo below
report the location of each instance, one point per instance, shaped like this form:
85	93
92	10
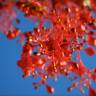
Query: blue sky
11	81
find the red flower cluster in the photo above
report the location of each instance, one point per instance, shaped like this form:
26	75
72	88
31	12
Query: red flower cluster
71	30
